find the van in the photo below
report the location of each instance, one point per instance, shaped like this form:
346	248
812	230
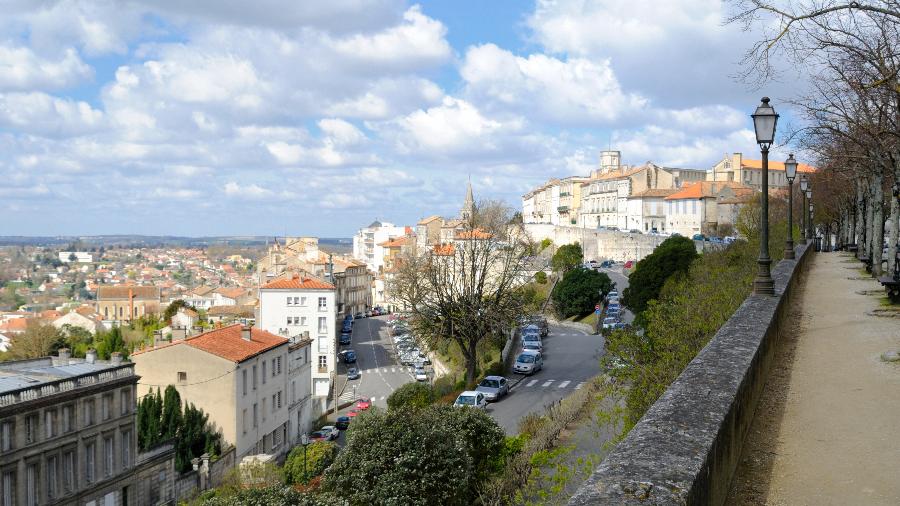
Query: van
528	362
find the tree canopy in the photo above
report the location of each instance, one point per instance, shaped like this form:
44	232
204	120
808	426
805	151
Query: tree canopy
412	395
674	255
300	469
567	257
579	290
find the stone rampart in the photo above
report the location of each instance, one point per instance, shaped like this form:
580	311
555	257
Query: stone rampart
686	447
603	244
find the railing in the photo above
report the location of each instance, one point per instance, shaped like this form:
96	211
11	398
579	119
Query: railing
50	388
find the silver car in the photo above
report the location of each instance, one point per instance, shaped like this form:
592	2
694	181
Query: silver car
493	387
529	362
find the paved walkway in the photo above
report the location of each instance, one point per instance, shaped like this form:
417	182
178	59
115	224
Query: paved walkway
827	430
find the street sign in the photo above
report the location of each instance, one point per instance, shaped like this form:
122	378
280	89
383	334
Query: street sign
597	307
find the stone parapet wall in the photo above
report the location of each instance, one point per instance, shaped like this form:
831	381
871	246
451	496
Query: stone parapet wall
686	447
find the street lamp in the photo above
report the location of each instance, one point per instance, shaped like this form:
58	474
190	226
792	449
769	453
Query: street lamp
804	185
790	172
764	121
809	217
304	440
812	235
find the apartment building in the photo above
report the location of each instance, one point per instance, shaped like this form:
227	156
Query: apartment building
123	303
736	169
237	374
366	242
68	435
695	208
304	308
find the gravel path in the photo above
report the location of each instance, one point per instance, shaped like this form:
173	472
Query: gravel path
826	430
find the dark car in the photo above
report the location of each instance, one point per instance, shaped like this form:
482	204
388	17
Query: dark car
347	327
699	237
349	356
342	423
358	316
320	435
345	338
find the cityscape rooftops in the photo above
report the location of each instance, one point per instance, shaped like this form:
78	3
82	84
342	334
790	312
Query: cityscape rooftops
705	189
24	374
231	342
297	283
107	292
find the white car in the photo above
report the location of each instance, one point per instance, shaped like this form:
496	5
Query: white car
529	362
420	374
470	399
331	431
610	322
533	342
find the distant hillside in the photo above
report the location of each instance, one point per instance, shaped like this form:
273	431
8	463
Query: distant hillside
337	245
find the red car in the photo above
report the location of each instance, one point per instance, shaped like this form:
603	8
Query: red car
629	264
352	413
363	403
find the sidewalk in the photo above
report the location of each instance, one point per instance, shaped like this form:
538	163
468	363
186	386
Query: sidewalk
826	429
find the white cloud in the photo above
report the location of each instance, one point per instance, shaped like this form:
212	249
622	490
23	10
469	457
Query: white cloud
248	192
43	114
340	132
575	91
23	70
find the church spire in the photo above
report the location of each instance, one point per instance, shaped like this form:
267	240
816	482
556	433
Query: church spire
468	208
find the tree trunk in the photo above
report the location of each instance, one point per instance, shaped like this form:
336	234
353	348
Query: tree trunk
471	356
870	220
877	221
860	238
894	236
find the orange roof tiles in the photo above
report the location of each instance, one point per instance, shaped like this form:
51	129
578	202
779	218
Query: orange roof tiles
106	292
704	189
654	192
231	293
227	343
396	242
443	249
298	283
473	234
757	164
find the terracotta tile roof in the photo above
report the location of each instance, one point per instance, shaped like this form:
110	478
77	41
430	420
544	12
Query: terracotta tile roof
14	325
704	189
200	291
426	221
106	292
231	293
443	249
298	283
757	164
654	192
230	311
396	242
473	234
227	343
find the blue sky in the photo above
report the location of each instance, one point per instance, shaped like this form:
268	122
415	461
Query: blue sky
315	117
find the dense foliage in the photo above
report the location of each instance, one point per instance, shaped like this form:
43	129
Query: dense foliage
161	418
319	455
39	340
436	455
173	308
579	290
275	495
673	256
411	395
566	258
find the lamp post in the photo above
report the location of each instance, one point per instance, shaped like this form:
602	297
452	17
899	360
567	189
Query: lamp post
809	217
764	121
790	172
804	185
304	440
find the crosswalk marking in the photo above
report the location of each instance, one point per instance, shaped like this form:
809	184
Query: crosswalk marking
564	384
381	398
578	386
383	370
393	369
547	383
531	383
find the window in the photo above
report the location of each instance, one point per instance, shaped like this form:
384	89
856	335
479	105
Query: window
6	436
323	344
279	399
106	407
68	470
264	409
108	456
89	412
254	380
264	372
303	321
68	421
323	361
50	423
289	300
31	485
323	324
254	415
182	376
278	362
31	428
274	407
290	320
89	462
302	301
244	421
323	304
9	488
244	380
126	449
125	400
296	301
52	476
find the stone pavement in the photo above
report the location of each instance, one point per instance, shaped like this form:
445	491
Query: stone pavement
827	429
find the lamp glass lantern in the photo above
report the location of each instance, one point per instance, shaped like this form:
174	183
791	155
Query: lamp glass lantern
304	439
804	184
764	120
790	169
808	193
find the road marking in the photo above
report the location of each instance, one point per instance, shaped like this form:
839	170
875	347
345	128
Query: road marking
547	383
531	383
383	370
393	369
578	386
564	384
381	398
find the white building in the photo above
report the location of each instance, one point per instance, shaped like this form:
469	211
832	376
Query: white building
647	211
300	308
366	243
694	209
238	375
81	257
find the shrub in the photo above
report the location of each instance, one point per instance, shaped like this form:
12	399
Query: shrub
540	277
411	395
579	290
674	255
319	455
566	258
495	369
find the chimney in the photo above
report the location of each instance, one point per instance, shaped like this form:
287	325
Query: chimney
90	356
63	356
295	276
245	332
116	358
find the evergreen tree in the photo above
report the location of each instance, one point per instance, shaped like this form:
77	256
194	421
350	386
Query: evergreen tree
171	414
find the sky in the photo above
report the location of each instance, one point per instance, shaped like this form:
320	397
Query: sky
227	117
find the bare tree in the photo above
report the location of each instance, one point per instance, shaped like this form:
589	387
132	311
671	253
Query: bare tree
467	291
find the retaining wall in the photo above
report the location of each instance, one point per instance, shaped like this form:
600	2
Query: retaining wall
686	447
605	244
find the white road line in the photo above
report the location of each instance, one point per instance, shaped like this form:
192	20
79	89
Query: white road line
531	383
381	398
564	384
547	383
383	370
393	369
578	386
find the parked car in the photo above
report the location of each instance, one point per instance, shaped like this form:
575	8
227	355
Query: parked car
470	399
320	436
531	346
345	338
363	403
533	340
353	412
699	237
331	431
420	374
342	423
349	356
606	264
357	316
493	387
353	373
613	295
592	264
635	231
610	322
423	358
347	327
613	312
628	265
529	362
370	314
